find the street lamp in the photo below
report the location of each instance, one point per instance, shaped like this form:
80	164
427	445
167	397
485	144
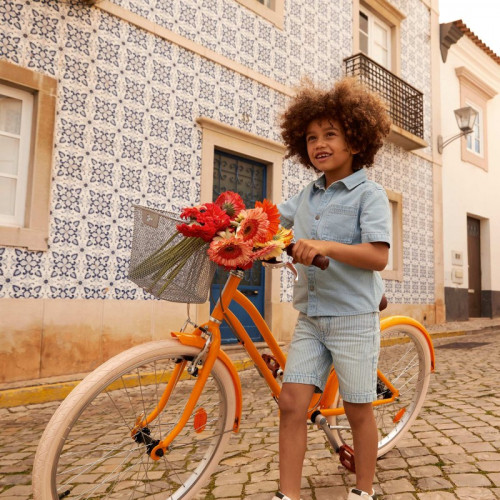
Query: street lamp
465	120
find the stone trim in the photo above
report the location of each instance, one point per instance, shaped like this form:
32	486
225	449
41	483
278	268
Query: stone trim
275	14
34	235
396	273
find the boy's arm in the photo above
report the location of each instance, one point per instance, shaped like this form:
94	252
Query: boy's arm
373	255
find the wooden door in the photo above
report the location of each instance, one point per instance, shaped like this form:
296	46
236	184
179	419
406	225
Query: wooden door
474	256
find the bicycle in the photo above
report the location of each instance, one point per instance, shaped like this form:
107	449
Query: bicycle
176	403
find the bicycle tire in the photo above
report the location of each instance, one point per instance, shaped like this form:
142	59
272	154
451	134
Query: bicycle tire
405	359
87	451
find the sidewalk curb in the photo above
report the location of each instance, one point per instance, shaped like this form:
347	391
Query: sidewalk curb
46	393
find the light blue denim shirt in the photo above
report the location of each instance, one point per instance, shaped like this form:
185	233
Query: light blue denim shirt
352	210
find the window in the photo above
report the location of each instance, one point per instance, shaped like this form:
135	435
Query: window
474	140
16	111
377	24
375	38
272	10
394	268
27	117
475	93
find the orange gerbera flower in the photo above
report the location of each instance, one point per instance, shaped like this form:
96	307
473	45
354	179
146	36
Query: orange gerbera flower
230	251
273	216
253	225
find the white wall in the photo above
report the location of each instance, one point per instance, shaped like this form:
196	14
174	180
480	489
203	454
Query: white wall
468	189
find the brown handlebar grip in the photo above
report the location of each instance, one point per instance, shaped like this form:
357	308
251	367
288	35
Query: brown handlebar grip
319	261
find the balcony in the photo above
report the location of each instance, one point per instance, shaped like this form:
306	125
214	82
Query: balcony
405	103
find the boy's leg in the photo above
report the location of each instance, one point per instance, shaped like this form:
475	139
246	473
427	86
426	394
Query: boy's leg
293	404
365	437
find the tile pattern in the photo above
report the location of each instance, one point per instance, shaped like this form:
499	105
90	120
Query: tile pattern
126	131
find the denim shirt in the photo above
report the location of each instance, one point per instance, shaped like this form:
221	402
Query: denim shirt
353	210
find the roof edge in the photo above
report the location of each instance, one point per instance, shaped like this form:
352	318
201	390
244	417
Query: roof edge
476	40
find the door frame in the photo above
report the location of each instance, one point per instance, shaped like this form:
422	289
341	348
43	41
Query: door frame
256	293
217	135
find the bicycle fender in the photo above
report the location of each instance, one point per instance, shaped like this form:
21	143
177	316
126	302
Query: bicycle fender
197	341
406	320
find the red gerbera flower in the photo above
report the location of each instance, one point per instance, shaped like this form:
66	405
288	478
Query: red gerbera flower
231	203
206	221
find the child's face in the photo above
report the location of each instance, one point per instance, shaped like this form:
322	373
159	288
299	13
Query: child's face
328	150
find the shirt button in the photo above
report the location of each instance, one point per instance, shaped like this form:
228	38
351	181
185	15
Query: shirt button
317	217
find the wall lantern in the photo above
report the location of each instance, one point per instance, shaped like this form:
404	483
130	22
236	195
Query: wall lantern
466	118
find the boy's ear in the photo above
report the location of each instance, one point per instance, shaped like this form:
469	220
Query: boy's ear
352	151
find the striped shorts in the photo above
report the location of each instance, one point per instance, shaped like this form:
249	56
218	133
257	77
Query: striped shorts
350	343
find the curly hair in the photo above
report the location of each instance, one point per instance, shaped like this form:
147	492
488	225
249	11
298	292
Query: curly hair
361	114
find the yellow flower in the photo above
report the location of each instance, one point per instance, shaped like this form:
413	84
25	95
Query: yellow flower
277	244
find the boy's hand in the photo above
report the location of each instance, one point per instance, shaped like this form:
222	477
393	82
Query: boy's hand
304	251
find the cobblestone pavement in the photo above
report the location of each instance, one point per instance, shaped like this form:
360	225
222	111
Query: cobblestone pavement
451	452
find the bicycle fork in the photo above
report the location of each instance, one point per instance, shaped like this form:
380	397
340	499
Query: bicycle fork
207	356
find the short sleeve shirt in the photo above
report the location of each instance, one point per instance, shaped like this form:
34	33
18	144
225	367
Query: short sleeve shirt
353	210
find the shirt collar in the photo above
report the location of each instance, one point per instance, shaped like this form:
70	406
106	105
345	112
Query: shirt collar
350	182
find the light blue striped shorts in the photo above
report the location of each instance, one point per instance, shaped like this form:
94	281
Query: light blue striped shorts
351	343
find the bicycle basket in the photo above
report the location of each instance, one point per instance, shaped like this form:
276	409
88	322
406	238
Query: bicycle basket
152	229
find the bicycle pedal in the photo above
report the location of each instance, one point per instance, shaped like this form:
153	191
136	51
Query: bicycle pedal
272	364
346	456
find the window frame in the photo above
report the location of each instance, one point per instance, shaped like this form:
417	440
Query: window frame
396	249
372	19
274	13
34	233
477	131
390	16
24	136
475	93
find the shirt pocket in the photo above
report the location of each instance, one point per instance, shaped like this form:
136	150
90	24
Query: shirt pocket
338	223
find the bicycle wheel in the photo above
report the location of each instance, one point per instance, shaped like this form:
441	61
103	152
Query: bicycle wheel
87	450
405	360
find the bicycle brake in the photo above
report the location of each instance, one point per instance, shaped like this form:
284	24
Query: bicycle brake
192	369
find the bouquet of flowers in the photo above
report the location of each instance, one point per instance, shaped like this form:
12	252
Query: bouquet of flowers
233	236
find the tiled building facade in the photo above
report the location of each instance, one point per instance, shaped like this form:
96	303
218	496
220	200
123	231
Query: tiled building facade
139	95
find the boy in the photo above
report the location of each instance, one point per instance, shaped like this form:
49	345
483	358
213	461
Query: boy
345	217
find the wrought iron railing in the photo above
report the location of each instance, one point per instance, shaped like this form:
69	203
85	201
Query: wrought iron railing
406	103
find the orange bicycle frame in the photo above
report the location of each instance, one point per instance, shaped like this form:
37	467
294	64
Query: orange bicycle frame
210	332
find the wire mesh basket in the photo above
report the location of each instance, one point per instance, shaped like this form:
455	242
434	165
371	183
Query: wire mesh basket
155	232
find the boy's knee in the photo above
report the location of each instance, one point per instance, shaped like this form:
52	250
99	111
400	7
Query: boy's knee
286	403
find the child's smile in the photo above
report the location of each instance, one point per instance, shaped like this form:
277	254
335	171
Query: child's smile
328	150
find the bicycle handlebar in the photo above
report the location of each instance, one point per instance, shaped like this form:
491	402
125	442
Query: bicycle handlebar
319	260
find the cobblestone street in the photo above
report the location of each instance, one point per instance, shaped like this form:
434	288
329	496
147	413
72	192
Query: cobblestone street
452	451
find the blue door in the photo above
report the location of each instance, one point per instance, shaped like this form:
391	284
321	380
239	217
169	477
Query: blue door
248	179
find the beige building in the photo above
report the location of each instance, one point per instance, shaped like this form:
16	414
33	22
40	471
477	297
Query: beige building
470	78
